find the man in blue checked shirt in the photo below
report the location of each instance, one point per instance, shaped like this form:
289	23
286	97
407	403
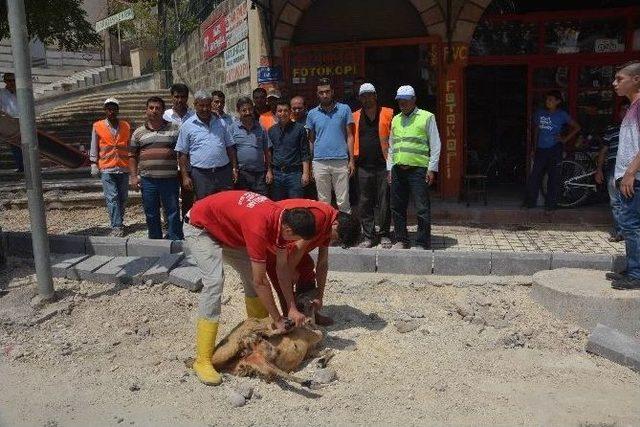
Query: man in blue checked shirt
206	152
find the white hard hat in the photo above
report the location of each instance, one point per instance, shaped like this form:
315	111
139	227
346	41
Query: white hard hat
405	92
111	101
366	88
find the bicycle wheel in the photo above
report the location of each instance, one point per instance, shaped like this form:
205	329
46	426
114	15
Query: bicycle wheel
570	194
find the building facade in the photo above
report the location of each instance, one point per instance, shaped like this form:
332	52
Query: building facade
479	65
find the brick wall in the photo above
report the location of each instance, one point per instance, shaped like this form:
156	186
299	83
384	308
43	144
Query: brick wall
190	68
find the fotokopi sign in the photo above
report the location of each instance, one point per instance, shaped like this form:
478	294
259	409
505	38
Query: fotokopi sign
112	20
223	31
236	62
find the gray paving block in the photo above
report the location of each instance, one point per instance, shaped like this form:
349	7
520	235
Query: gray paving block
177	246
111	246
84	269
67	244
615	346
454	263
589	261
619	263
18	243
354	259
123	269
159	271
148	247
187	275
60	263
404	261
519	263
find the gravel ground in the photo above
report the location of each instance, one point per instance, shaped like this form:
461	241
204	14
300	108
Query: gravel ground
409	351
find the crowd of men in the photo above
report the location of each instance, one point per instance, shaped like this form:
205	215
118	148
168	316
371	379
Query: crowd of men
276	148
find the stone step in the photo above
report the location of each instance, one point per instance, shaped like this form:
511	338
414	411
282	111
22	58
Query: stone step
50	173
54	200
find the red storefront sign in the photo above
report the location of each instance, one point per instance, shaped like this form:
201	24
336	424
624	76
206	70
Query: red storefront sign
214	38
307	64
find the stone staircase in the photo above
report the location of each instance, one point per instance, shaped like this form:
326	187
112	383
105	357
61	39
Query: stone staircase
60	71
71	123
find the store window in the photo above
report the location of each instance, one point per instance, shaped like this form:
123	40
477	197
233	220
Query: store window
601	36
596	102
504	38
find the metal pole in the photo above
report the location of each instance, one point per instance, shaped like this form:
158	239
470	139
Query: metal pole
119	44
28	135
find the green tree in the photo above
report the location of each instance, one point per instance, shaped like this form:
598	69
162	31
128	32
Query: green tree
55	22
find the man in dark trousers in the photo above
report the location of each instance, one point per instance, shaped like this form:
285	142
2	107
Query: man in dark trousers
370	148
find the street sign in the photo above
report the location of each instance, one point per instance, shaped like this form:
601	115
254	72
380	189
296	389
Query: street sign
269	74
112	20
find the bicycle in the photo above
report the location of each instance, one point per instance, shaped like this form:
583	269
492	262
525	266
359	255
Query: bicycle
576	180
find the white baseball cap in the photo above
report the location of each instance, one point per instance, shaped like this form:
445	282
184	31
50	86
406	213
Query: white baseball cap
111	101
273	93
366	88
405	92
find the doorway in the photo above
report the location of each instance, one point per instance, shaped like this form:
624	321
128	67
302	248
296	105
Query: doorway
497	126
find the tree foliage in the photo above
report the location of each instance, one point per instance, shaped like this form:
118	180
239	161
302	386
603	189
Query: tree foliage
55	22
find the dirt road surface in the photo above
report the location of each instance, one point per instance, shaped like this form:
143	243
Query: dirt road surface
409	351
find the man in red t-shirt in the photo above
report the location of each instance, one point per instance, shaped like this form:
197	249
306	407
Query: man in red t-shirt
331	226
242	228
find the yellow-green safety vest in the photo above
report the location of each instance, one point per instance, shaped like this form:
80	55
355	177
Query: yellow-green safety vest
411	141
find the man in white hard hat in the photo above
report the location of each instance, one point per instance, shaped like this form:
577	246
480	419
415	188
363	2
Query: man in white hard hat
109	157
414	153
370	147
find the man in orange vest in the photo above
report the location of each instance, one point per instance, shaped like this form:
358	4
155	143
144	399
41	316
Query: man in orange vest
109	157
370	148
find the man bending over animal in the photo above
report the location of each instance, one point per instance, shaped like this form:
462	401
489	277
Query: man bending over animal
241	228
331	226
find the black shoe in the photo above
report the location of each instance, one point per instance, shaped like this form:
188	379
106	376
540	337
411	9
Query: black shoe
616	238
610	275
626	283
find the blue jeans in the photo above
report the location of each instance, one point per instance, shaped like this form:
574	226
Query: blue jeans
116	191
162	191
404	182
287	185
629	220
614	199
16	152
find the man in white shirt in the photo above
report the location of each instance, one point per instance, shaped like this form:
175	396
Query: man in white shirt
180	110
9	106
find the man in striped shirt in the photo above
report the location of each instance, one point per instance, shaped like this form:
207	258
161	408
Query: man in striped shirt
154	170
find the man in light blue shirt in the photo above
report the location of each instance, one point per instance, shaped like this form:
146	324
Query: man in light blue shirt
330	127
207	158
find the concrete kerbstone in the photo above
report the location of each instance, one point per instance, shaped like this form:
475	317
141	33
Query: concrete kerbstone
148	247
68	244
519	263
453	263
588	261
403	261
187	275
177	246
110	246
18	243
354	260
585	297
159	271
615	346
84	269
619	263
61	263
125	270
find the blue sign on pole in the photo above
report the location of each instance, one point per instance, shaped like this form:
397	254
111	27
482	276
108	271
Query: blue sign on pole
269	74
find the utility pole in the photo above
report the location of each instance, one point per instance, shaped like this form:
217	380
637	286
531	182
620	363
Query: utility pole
166	60
29	141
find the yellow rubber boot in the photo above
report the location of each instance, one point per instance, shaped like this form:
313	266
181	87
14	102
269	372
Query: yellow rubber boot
206	331
255	308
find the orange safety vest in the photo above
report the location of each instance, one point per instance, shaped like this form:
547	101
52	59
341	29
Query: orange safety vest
114	150
384	130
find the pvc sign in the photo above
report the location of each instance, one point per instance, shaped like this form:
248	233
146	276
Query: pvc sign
224	31
236	62
112	20
269	74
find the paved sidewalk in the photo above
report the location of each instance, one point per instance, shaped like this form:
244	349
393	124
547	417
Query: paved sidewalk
537	238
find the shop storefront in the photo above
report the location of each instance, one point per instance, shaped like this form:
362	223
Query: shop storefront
516	59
